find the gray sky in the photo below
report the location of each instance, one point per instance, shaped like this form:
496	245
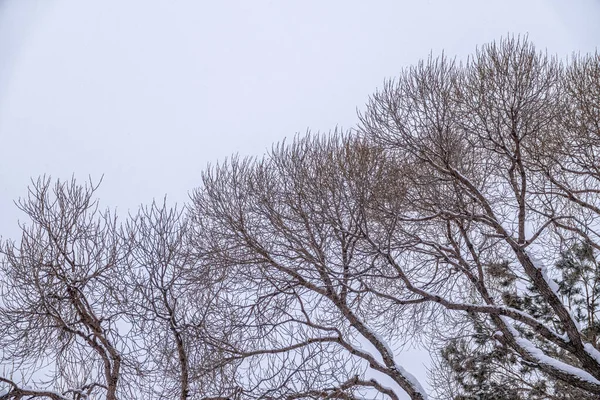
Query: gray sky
148	92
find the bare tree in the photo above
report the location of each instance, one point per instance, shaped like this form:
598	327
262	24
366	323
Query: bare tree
286	229
93	311
60	296
462	169
172	305
503	171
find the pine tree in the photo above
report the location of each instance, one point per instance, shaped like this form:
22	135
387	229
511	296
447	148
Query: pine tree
481	368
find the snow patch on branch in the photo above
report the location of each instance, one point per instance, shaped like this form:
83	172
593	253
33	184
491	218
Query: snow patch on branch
542	358
539	264
412	380
591	350
383	342
564	367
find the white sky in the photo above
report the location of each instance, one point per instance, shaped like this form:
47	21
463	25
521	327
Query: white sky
148	92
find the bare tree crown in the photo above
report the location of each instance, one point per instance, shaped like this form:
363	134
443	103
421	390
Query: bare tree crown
461	214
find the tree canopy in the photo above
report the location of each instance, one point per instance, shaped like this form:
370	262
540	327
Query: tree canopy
460	214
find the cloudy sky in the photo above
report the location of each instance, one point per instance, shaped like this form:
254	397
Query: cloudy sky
147	92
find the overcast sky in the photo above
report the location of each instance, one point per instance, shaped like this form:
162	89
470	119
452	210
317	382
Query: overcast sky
148	92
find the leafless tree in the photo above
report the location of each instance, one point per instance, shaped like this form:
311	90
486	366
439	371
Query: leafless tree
287	231
336	245
172	304
60	297
503	155
94	310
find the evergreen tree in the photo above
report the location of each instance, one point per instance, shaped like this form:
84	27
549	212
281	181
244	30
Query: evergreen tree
481	368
